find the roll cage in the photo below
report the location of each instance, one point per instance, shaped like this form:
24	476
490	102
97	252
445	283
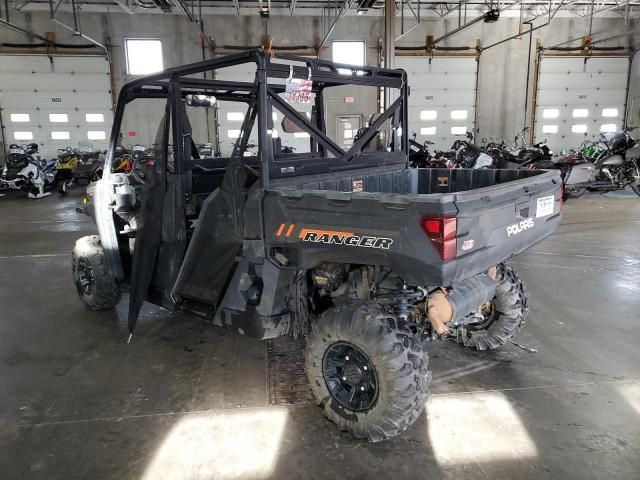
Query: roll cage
262	96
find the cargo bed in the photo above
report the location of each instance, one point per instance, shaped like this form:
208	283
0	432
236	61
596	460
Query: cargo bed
498	214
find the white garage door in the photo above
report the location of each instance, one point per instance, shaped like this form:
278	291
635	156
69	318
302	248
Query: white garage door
231	115
57	102
578	99
442	97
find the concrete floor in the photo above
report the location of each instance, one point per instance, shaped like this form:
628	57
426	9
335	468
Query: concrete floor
187	400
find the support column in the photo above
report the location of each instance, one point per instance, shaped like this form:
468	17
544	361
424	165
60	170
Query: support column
389	46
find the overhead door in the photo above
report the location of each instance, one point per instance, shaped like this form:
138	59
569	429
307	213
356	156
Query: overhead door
442	97
578	98
55	101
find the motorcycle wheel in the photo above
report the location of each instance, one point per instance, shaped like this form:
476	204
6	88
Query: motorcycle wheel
576	192
636	189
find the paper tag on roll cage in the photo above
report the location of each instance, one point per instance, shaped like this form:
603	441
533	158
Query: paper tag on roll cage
298	90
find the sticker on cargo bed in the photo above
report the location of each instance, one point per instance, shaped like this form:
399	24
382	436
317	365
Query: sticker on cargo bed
467	245
544	206
331	237
520	227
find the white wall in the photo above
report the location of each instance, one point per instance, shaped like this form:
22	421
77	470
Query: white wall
503	69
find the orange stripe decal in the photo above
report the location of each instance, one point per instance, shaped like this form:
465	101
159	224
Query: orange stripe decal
290	230
279	232
304	231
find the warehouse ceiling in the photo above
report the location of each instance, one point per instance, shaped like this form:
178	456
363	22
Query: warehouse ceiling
524	9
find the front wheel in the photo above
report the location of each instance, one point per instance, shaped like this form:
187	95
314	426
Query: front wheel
97	288
367	370
502	318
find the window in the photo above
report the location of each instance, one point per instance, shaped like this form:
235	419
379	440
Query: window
608	128
20	117
58	117
144	56
274	116
233	133
579	128
458	130
23	135
428	114
458	114
428	131
96	135
235	116
60	136
610	112
550	113
301	135
94	117
580	113
549	128
350	53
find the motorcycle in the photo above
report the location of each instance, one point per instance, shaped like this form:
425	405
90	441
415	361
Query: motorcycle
26	170
612	163
421	157
469	155
75	167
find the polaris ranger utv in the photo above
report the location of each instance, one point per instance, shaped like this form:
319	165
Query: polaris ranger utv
346	246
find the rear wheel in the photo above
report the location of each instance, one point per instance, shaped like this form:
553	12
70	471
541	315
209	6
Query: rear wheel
97	289
367	370
503	317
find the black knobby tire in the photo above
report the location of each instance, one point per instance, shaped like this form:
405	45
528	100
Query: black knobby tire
399	362
508	315
97	289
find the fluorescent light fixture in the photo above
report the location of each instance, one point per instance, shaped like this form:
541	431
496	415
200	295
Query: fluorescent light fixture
20	117
580	113
23	135
143	56
610	112
550	113
235	116
96	135
60	136
94	118
580	128
458	130
459	114
428	131
58	117
608	128
549	128
428	115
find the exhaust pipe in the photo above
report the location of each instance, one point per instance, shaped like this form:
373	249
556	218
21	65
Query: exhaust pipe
461	300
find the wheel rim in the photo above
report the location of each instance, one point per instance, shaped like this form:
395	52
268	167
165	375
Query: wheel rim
350	376
489	314
85	277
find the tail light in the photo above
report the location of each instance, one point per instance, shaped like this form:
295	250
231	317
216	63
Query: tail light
442	233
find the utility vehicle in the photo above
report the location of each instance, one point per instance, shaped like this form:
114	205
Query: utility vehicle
349	247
